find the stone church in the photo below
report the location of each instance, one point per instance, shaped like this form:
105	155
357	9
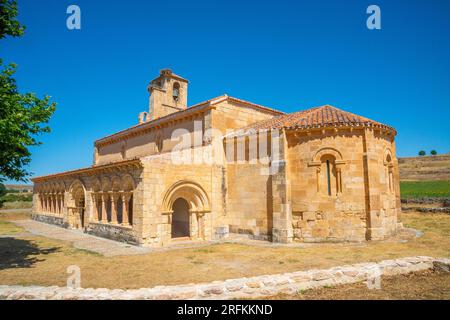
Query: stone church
227	166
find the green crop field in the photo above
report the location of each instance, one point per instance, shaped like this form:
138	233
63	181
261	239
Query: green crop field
420	189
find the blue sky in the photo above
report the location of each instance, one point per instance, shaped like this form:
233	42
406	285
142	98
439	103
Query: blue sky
289	55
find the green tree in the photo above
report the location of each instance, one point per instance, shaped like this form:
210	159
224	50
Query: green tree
23	116
9	26
422	153
433	152
3	190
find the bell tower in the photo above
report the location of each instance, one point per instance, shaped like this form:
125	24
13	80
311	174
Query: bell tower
168	94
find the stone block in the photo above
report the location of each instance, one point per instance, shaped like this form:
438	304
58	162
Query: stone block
442	265
309	216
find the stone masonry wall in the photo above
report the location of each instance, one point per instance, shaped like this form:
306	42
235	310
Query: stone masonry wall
384	207
156	141
50	219
160	176
316	215
113	232
254	287
248	200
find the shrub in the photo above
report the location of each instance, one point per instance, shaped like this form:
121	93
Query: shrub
422	153
16	197
433	152
2	190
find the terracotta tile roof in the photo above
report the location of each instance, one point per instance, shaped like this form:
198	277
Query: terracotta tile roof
91	169
318	117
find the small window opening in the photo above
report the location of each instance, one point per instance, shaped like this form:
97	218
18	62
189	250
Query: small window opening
328	177
176	91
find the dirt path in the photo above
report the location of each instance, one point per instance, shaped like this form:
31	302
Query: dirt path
81	240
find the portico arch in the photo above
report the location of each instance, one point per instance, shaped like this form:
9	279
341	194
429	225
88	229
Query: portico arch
76	204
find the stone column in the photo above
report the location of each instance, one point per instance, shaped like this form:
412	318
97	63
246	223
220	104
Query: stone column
126	208
51	203
201	225
61	203
193	232
339	180
390	178
113	198
94	207
58	203
104	214
318	178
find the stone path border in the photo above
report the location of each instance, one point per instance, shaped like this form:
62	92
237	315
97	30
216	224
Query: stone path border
254	287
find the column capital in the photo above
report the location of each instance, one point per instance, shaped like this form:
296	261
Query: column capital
127	195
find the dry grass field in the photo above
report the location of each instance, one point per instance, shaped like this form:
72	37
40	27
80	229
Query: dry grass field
426	285
426	168
34	260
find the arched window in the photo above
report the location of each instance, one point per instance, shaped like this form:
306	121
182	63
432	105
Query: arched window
329	176
389	172
176	91
328	164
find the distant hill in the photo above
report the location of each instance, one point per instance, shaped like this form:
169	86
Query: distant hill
425	168
20	187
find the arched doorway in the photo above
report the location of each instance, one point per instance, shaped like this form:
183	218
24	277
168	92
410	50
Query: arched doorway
191	200
180	219
80	209
77	205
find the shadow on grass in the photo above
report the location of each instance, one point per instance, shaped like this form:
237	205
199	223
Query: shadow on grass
20	253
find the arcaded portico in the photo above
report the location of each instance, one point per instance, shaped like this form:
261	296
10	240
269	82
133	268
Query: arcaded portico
230	166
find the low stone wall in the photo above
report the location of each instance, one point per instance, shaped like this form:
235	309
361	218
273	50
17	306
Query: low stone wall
427	210
108	231
49	219
254	287
444	202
